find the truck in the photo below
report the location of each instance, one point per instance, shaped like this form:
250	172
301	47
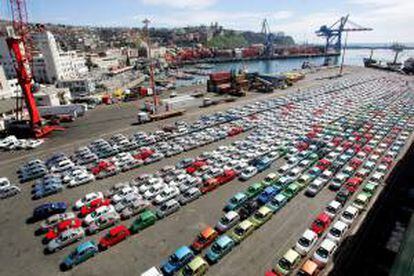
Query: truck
145	117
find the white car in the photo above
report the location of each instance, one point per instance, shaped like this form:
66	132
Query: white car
337	231
324	252
32	144
98	213
167	194
88	198
349	214
149	183
154	190
124	193
4	183
81	179
306	242
333	208
63	166
65	238
54	220
248	173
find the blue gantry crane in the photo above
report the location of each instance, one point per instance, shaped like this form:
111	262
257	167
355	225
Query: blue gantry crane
333	34
269	38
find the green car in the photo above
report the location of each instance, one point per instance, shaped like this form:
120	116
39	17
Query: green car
270	179
254	190
145	219
241	231
291	190
370	188
313	156
282	151
197	267
261	216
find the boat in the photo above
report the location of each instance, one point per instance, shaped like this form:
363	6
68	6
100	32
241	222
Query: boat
204	66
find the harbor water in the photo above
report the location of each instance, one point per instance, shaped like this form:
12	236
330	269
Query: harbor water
352	57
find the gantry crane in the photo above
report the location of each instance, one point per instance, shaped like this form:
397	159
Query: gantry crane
333	34
18	43
268	39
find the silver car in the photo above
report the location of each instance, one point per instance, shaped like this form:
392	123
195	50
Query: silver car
65	238
189	195
167	208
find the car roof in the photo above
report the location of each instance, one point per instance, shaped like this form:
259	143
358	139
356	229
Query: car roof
339	225
280	197
196	263
328	244
206	233
85	245
264	210
223	240
182	252
309	267
116	230
309	234
323	217
231	215
239	196
335	204
291	255
351	209
245	224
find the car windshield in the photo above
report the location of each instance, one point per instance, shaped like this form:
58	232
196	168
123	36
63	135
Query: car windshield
304	242
322	252
319	223
259	215
285	264
224	220
239	231
174	259
201	238
187	271
335	232
347	215
216	248
330	209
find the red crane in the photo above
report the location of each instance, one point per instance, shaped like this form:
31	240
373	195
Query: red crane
19	46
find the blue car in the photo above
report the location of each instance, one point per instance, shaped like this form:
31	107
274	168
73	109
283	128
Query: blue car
222	246
176	261
47	190
83	252
262	163
268	194
46	210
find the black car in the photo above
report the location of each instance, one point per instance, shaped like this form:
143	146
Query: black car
343	195
248	209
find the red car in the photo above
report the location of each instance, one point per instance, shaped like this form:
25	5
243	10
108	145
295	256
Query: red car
195	166
204	239
227	176
62	226
337	141
209	185
323	164
95	204
347	144
355	163
102	165
386	160
353	183
234	131
114	236
367	149
144	154
321	223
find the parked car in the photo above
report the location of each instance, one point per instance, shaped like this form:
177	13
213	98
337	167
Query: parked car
48	209
227	221
204	239
114	236
82	253
144	220
306	242
177	260
221	247
167	208
65	238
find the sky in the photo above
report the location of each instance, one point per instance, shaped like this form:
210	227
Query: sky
390	19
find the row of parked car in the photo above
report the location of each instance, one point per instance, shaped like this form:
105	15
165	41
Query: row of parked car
12	143
274	191
7	189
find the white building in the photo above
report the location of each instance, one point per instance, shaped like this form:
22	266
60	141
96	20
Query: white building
8	88
51	65
6	60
